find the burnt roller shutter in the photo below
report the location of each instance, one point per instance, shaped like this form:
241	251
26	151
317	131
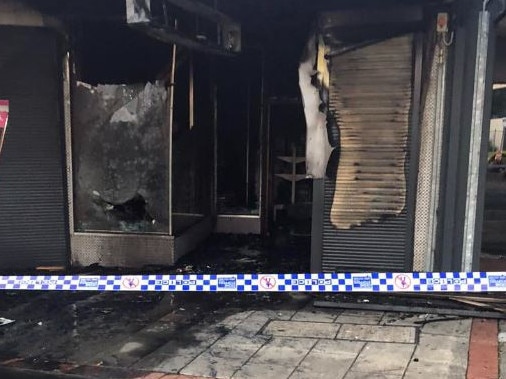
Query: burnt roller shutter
365	213
33	218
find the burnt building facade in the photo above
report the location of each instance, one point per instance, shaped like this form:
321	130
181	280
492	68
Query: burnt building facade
362	125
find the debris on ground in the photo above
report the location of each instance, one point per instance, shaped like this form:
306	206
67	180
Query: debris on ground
484	306
5	321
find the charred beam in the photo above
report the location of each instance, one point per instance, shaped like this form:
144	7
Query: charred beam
380	16
141	15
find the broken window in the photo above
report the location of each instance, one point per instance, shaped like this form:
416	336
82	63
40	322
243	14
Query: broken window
119	150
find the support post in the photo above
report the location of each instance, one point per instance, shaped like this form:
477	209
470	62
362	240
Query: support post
469	244
170	104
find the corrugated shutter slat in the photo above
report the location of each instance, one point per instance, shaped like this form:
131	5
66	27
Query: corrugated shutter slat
365	221
33	227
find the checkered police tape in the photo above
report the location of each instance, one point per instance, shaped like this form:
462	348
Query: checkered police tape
323	282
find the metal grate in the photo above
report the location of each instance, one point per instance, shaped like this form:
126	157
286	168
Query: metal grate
365	216
122	250
429	162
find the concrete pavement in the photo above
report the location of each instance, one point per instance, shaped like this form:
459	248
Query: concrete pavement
315	343
303	343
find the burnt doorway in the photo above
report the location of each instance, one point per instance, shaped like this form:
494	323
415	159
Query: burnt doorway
33	216
239	150
366	201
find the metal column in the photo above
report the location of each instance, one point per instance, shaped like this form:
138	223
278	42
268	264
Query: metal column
475	142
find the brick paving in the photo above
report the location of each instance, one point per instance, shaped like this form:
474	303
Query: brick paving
483	350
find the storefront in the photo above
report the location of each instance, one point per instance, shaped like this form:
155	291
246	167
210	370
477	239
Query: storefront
358	124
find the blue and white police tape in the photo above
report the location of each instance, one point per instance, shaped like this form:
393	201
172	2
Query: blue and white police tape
324	282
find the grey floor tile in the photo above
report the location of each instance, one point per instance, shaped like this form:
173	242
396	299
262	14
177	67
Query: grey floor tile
302	329
328	359
377	333
381	360
277	359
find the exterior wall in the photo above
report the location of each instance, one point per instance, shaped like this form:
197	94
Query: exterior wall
466	139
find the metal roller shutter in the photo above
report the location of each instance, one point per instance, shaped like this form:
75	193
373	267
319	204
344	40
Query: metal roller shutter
33	227
365	213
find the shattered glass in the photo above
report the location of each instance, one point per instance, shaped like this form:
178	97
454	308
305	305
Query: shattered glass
120	157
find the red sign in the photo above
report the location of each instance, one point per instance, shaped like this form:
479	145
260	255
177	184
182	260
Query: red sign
4	117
